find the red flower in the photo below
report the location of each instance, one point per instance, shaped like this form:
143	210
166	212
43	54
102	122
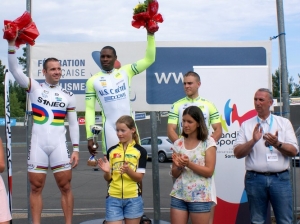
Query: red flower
24	27
148	19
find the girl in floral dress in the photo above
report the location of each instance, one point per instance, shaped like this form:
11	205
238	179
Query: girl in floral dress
193	165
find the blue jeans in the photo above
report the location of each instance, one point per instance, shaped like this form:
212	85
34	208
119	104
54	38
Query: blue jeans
262	189
118	209
193	207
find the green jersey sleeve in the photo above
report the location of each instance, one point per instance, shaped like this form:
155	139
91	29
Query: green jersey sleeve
90	99
143	64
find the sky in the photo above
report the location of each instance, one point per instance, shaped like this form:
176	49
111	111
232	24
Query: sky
188	20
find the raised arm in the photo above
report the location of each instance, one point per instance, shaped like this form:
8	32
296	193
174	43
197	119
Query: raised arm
143	64
13	67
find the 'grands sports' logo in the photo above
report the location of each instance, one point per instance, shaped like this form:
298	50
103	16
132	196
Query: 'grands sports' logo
232	115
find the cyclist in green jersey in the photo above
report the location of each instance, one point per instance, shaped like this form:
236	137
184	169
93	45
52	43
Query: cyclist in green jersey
111	88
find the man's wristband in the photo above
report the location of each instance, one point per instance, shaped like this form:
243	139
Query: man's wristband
11	51
75	148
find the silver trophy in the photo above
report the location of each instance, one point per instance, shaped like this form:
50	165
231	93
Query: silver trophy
96	129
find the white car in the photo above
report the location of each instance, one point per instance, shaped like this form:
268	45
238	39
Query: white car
165	149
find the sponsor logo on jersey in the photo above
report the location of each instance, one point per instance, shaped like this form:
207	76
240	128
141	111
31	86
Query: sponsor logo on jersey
30	166
118	83
58	98
44	95
118	76
67	165
116	91
130	156
56	94
51	104
103	83
45	91
67	92
117	155
116	97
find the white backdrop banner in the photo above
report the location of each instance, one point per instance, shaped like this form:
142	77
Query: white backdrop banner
230	73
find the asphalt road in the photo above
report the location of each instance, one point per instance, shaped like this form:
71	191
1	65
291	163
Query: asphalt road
89	190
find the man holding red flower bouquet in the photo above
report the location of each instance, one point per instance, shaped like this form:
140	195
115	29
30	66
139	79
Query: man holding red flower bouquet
111	86
114	103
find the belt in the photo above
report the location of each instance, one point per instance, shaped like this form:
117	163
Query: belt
267	173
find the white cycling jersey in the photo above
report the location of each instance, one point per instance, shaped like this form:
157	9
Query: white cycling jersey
50	106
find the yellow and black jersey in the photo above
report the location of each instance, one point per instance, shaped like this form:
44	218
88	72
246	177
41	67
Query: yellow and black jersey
121	185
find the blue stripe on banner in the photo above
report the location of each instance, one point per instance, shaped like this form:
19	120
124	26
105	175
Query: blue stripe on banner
76	86
166	73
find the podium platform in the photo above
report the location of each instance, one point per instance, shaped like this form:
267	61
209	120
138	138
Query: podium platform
100	221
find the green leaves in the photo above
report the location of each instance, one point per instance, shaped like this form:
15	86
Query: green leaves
141	7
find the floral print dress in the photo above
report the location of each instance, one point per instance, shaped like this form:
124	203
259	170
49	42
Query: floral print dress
190	186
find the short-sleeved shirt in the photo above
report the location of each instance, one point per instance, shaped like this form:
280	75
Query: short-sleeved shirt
256	160
190	186
209	110
121	185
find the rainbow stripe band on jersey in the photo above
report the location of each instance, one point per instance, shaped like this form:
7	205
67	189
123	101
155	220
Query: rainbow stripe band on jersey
11	51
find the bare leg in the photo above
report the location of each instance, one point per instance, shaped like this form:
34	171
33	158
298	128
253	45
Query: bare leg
132	221
37	183
211	216
114	222
200	218
63	180
179	216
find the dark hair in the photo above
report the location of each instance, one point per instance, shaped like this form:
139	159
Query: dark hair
194	74
48	60
110	48
196	113
129	122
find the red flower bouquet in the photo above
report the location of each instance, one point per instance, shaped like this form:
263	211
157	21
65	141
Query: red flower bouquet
145	14
24	27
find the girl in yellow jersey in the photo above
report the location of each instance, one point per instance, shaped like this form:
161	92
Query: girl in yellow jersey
124	168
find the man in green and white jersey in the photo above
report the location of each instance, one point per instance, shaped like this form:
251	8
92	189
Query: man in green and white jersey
192	83
111	88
